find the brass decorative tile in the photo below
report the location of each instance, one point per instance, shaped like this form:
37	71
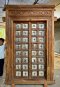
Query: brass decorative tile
25	73
25	53
34	39
18	60
34	25
34	32
34	73
18	66
25	60
25	33
25	66
34	67
24	46
18	73
41	26
40	66
34	60
25	39
18	26
34	53
41	73
18	33
25	26
41	33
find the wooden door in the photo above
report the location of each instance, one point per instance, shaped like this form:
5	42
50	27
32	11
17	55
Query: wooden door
30	44
30	50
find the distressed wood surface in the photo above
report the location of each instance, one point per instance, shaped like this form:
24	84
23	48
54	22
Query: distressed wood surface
29	13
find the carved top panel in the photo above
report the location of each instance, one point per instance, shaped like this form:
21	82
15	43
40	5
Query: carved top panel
30	10
25	7
30	13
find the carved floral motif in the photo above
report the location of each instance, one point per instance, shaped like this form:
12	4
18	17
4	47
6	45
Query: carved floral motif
30	13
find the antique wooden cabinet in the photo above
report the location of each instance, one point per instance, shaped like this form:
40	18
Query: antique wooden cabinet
30	44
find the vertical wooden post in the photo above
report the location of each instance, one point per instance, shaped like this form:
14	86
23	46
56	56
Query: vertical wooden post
45	83
13	85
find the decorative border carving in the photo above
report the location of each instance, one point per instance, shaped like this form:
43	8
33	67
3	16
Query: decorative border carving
30	13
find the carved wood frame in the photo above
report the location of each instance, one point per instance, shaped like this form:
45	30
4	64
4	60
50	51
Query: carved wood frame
29	13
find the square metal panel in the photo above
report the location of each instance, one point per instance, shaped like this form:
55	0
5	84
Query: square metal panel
18	40
34	53
41	60
41	39
34	46
25	73
18	60
25	66
24	46
18	33
25	40
34	60
18	53
25	53
25	26
41	73
34	39
34	26
18	67
25	60
25	33
34	73
40	66
34	32
18	73
41	26
18	26
41	33
34	67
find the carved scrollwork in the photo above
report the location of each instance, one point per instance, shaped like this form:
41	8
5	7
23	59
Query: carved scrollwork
30	13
